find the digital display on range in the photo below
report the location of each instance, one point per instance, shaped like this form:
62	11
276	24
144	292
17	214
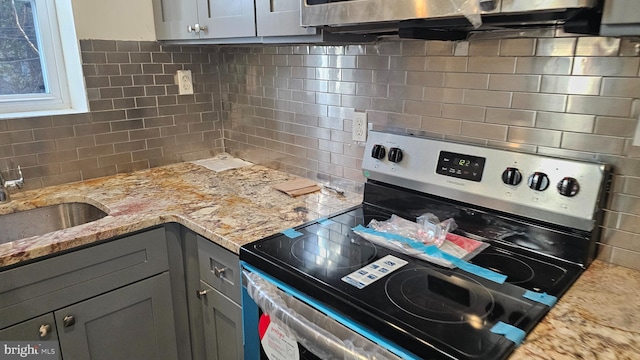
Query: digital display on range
460	166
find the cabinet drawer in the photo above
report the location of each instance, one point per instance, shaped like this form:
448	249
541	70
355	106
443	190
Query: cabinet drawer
34	289
219	268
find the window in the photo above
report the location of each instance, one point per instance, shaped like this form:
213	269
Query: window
40	67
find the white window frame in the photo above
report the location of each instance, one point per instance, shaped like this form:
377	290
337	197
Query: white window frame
62	67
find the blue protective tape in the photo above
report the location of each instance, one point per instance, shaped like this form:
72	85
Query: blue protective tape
291	234
509	331
325	221
543	298
344	320
433	251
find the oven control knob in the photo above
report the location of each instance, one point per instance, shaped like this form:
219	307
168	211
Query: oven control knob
511	176
539	181
378	152
568	187
395	155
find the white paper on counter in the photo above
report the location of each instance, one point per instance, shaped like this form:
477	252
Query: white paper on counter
222	163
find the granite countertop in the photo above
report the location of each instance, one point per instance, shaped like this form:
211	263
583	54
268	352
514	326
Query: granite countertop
598	318
231	208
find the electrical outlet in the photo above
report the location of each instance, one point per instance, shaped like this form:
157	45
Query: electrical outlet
185	82
359	126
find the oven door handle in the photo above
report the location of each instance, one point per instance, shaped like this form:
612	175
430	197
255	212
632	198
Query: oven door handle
295	315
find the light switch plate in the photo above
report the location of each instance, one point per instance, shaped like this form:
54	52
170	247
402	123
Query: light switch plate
185	82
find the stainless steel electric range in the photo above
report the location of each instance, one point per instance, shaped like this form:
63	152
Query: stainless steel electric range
539	215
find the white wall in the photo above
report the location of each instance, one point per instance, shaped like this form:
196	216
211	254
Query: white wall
114	19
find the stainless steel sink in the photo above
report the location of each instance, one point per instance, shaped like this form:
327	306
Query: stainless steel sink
43	220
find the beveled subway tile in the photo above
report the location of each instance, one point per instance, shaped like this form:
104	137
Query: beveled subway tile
415	47
606	66
434	79
446	63
508	82
487	98
599	105
598	46
484	47
443	95
534	136
556	47
423	108
622	87
440	48
493	65
565	122
579	85
511	117
593	143
615	126
440	125
517	47
357	75
408	92
373	62
389	77
463	112
544	65
466	81
104	45
404	121
408	63
534	101
484	130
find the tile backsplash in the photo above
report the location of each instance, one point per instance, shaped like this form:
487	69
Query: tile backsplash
136	121
290	107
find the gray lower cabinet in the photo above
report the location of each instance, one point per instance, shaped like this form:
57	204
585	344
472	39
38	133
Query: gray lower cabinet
222	320
134	322
41	328
213	284
109	301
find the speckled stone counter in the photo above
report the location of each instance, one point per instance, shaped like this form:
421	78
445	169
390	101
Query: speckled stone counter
598	318
231	208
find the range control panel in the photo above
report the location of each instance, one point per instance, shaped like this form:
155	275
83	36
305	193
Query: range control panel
461	166
560	191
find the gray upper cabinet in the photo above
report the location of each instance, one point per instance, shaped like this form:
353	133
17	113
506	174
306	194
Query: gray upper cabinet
280	18
228	21
203	19
173	17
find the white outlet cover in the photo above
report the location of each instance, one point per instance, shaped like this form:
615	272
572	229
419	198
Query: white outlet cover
359	131
185	82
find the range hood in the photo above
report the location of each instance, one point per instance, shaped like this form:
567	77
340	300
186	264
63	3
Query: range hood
449	19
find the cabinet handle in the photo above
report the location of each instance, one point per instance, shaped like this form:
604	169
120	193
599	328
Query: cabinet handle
196	28
202	293
219	272
45	330
69	320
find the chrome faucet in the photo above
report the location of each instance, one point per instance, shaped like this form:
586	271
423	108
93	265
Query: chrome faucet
9	184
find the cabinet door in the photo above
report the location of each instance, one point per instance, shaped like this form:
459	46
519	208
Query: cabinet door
172	17
222	320
227	18
133	322
280	18
42	328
